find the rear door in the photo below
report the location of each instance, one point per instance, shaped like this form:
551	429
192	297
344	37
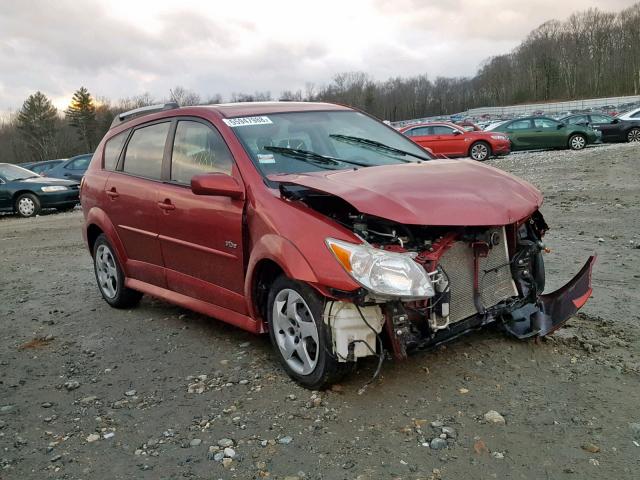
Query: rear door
549	133
520	133
201	236
132	204
422	136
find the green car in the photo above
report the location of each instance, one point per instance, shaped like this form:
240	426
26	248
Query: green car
542	132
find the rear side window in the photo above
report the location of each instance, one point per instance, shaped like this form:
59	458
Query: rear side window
577	119
419	132
442	130
519	125
145	151
197	149
112	150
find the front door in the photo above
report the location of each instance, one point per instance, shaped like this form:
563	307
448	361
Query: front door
132	207
201	236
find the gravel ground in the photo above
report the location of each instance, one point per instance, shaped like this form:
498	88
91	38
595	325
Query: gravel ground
88	392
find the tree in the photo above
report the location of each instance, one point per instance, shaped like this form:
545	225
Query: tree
81	115
184	97
36	122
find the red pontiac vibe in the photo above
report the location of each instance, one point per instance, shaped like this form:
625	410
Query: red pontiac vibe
444	138
320	225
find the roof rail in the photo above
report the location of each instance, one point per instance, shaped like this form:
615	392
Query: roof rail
138	112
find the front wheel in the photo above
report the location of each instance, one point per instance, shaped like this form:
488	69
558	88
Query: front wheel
27	205
577	141
299	335
633	135
480	151
110	276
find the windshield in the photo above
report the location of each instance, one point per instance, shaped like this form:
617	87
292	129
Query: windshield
298	142
12	173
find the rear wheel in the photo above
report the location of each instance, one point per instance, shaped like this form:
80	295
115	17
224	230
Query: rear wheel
110	276
299	335
577	141
480	151
633	135
27	205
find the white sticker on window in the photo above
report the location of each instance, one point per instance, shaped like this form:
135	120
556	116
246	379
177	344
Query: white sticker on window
266	158
246	121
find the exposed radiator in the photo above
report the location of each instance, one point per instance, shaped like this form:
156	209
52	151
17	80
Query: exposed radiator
494	285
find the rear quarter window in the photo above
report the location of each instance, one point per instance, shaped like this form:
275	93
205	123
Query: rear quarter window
112	150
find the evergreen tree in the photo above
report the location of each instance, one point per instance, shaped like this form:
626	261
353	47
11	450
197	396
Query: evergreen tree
81	115
36	122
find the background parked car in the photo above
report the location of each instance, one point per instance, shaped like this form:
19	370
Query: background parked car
26	193
453	141
468	125
543	132
41	168
72	169
633	114
612	129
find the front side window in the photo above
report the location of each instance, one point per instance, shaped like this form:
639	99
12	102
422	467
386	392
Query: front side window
112	150
544	123
197	149
145	150
600	119
442	130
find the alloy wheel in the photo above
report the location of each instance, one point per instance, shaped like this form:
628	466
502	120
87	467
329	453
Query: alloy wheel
295	331
479	152
634	135
106	271
26	206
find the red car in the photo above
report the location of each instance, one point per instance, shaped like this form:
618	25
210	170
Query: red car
320	225
453	141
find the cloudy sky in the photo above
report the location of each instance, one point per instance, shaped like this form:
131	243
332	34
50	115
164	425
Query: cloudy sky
122	48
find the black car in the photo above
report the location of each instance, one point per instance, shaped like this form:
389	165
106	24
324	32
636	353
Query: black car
41	168
612	129
72	169
26	193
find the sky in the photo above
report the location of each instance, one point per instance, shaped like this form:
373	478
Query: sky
121	49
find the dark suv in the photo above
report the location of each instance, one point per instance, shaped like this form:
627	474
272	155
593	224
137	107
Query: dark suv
320	225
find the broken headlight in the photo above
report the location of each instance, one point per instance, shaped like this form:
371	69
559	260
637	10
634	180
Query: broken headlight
384	273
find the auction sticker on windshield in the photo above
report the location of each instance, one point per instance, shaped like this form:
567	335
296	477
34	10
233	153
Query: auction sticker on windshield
246	121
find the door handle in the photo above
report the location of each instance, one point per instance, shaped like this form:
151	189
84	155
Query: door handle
113	194
166	205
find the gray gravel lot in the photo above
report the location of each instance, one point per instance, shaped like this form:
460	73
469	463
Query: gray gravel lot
88	392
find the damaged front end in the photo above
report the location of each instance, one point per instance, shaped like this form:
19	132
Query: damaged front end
472	277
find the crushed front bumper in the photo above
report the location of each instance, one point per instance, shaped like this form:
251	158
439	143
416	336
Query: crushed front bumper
553	309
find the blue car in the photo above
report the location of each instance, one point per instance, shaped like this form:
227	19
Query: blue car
71	169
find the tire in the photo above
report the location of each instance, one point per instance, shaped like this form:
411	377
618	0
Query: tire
110	277
577	141
633	135
27	205
301	331
480	151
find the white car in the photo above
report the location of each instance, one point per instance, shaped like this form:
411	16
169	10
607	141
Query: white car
633	114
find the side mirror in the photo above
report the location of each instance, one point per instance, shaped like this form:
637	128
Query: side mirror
615	120
217	184
457	132
561	125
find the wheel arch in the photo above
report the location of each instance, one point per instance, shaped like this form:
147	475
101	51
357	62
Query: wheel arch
270	257
15	196
98	222
480	140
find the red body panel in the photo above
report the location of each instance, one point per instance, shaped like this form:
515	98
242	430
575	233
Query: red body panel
457	145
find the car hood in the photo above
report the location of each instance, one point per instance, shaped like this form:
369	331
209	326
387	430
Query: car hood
43	181
438	192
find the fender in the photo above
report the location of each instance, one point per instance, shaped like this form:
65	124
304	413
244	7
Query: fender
281	251
96	216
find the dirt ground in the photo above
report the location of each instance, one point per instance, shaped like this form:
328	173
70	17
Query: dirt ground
88	392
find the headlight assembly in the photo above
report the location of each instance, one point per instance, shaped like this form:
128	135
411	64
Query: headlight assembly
388	274
499	137
54	188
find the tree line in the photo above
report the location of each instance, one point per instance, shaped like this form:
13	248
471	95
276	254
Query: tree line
592	54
